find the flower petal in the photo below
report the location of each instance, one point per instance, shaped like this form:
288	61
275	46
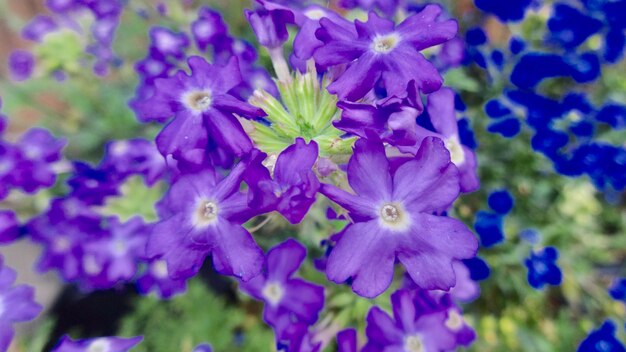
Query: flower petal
235	252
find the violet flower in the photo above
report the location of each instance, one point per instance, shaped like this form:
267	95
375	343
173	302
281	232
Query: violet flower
134	157
207	28
39	150
156	277
21	65
270	24
100	344
16	304
380	50
200	102
442	116
294	185
346	341
410	329
284	296
168	42
38	27
202	215
112	258
394	218
9	227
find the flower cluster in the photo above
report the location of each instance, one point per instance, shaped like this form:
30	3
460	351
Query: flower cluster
61	30
29	164
355	121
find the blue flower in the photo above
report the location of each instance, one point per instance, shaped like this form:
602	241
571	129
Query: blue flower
542	268
602	340
488	225
501	201
495	109
618	290
508	127
479	270
511	10
570	27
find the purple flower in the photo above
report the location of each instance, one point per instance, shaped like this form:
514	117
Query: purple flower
443	118
16	304
39	150
157	277
21	65
134	157
393	119
294	185
393	216
346	341
38	27
204	347
9	227
269	23
62	237
466	289
104	344
388	7
9	170
380	50
168	43
153	66
284	296
200	102
61	6
202	215
112	258
92	185
415	326
305	42
208	28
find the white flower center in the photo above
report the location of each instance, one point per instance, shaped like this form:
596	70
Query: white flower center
119	248
99	345
315	14
454	321
273	292
159	269
206	213
91	266
61	244
457	155
383	44
414	343
119	148
199	101
393	216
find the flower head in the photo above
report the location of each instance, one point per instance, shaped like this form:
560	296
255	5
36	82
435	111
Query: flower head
292	189
394	218
201	215
285	298
542	268
378	50
202	106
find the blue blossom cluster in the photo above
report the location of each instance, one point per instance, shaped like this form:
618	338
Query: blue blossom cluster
569	129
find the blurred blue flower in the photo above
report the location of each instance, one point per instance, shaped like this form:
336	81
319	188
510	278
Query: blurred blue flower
602	340
488	225
542	268
501	201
